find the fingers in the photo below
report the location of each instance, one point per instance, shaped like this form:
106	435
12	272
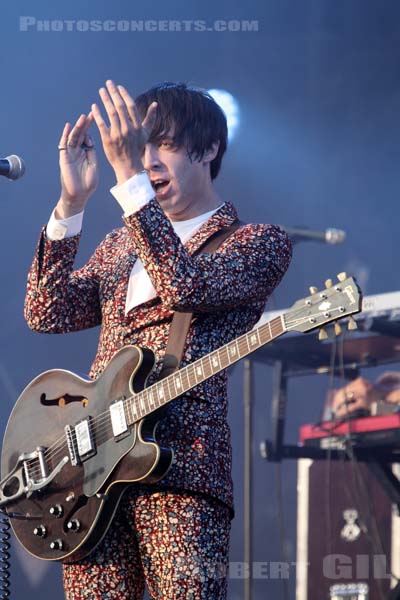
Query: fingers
131	106
84	129
354	396
90	149
122	113
393	397
76	133
150	118
122	103
64	136
151	114
389	383
348	403
98	118
122	110
110	106
72	137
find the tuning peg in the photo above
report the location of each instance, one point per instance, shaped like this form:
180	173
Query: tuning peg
342	276
313	290
338	329
328	283
322	335
352	324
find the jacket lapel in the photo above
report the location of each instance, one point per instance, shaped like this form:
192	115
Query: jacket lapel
224	217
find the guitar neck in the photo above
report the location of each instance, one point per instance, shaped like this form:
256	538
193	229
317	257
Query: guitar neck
180	382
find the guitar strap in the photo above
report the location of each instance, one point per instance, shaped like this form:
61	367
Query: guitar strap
181	320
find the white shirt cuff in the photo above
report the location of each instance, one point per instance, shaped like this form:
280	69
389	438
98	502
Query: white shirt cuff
58	229
134	193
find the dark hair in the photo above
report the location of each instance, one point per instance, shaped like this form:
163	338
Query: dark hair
192	114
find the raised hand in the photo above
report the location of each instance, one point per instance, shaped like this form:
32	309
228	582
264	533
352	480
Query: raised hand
125	139
360	394
78	167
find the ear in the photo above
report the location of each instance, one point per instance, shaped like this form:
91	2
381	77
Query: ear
211	153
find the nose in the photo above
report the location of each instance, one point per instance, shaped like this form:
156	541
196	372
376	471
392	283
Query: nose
151	159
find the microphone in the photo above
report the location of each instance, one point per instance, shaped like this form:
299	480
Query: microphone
12	167
303	234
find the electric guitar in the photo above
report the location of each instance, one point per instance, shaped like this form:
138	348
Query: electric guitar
72	445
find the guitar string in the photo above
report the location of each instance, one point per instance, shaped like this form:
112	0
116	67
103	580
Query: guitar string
102	423
166	383
104	418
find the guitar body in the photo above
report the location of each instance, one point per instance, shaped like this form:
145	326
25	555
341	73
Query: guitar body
67	518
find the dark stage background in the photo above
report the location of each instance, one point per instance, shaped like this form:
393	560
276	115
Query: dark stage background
318	145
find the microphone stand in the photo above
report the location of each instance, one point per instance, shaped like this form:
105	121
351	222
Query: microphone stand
248	479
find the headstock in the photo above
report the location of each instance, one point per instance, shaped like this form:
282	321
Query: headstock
337	300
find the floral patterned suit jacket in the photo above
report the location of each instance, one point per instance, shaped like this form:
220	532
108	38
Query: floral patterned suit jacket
226	291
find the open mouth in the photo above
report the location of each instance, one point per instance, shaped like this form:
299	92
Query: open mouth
159	185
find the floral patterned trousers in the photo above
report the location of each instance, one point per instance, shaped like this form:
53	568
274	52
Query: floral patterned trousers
176	543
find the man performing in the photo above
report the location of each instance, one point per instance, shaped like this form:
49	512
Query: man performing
165	149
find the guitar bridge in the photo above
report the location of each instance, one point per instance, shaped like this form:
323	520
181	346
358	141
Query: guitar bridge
80	441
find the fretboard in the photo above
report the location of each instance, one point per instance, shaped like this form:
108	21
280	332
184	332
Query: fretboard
180	382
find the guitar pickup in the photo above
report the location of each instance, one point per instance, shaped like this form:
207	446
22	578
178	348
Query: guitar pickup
80	440
118	420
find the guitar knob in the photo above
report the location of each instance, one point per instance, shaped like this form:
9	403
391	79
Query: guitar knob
74	525
56	545
56	510
338	329
322	335
342	276
40	531
352	324
313	290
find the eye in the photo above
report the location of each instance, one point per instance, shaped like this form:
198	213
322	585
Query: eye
168	144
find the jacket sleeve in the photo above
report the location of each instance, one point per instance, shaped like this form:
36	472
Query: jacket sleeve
58	299
247	266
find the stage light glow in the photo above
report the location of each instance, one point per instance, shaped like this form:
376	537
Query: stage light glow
230	106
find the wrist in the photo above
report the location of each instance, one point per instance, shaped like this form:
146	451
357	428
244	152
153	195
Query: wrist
65	208
123	174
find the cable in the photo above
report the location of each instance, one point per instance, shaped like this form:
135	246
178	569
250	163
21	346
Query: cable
359	490
5	546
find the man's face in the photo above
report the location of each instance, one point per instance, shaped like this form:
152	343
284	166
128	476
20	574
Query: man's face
181	184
